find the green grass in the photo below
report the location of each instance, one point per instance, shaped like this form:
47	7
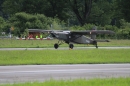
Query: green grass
12	43
115	43
89	56
79	82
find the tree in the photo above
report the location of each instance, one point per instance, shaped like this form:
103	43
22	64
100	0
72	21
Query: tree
99	12
21	21
11	7
81	9
1	12
57	9
102	12
2	21
29	6
50	8
124	8
4	26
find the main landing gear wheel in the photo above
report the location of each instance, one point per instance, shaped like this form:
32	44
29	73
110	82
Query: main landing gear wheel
56	45
71	46
96	46
95	43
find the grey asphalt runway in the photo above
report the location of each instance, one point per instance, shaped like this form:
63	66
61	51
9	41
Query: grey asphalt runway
64	48
25	73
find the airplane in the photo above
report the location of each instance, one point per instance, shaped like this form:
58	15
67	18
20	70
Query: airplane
79	37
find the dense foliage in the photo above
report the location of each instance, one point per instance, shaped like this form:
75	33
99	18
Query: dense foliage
19	15
22	21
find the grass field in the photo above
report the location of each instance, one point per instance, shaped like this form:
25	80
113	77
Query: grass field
79	82
89	56
13	43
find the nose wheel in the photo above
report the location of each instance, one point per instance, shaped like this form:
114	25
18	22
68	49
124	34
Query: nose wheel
56	45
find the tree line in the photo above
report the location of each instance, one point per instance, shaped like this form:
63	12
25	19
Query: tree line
19	15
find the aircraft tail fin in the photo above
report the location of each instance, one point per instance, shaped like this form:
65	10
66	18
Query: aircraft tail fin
93	36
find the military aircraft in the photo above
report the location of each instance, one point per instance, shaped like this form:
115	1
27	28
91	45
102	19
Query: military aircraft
79	37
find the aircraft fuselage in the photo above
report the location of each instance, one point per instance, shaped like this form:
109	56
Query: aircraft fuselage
68	38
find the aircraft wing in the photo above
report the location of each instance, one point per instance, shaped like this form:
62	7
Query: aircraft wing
43	31
92	32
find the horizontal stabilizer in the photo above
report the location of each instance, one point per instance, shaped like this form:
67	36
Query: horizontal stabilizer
102	40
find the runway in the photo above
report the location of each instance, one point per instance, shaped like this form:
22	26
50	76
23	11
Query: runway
25	73
65	48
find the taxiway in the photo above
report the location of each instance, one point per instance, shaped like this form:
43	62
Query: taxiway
64	48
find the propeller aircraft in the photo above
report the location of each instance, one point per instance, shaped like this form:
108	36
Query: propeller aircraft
79	37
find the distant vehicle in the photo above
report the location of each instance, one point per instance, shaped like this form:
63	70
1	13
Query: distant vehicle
79	37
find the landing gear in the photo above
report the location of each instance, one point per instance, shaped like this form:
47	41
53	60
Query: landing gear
71	46
95	43
56	45
96	46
